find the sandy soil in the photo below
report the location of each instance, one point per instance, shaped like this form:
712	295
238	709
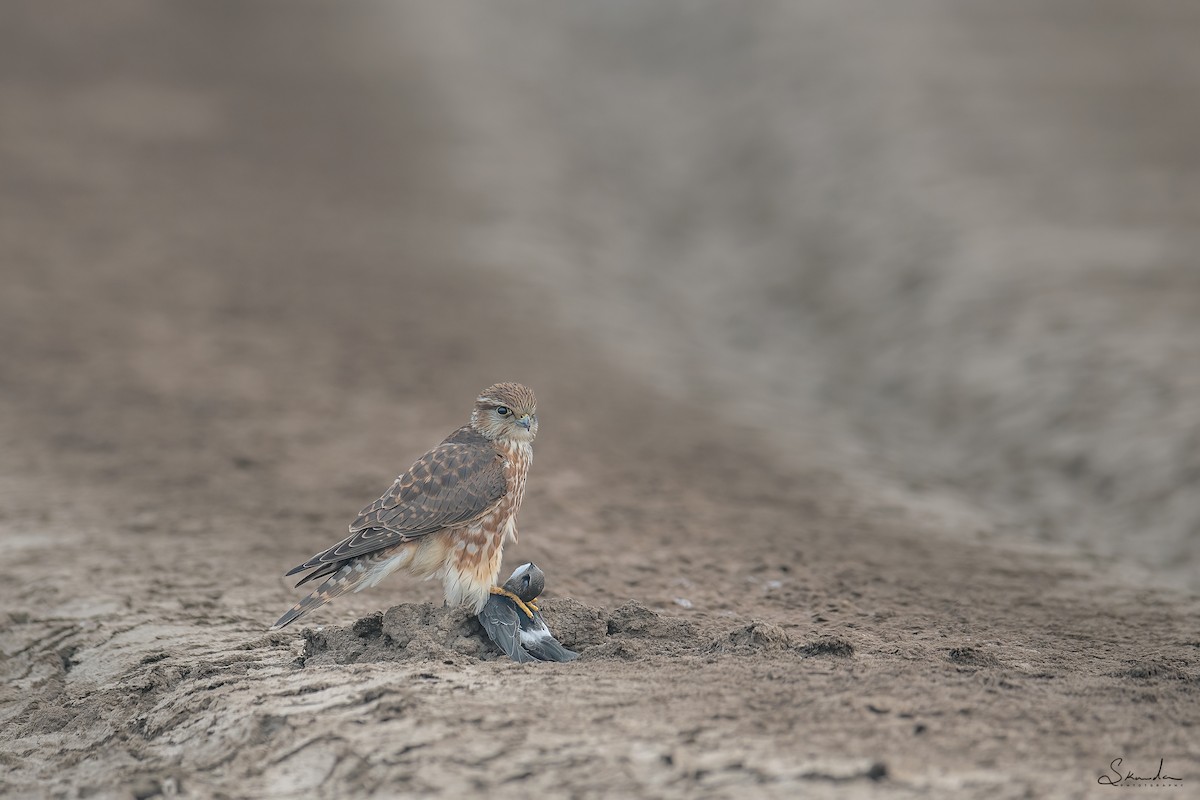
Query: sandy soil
256	260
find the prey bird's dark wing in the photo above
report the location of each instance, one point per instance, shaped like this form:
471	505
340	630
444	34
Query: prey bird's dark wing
454	483
550	649
500	618
537	640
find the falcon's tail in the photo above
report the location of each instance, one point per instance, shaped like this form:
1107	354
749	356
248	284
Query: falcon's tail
340	582
352	575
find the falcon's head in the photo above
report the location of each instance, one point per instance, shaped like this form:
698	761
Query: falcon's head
506	412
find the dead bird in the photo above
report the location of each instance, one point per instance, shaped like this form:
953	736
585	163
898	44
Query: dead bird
513	621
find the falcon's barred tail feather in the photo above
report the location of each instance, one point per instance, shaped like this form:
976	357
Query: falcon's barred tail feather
328	569
351	575
339	583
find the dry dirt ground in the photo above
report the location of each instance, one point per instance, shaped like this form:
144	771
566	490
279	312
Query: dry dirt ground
258	257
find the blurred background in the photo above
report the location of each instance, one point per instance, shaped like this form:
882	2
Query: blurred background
948	247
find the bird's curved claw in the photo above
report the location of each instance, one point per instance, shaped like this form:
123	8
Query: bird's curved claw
520	603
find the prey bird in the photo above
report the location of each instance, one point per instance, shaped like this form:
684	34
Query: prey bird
447	517
515	624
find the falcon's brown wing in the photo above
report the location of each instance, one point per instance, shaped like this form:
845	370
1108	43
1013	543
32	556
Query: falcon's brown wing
454	483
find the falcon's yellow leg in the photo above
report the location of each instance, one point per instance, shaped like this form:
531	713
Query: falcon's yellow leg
520	603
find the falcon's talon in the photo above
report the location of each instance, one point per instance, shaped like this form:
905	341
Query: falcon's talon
500	590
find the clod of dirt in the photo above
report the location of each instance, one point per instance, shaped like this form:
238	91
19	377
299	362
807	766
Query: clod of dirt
406	632
422	629
575	625
147	786
619	649
845	771
369	627
969	656
763	637
1145	670
828	646
753	637
635	631
636	621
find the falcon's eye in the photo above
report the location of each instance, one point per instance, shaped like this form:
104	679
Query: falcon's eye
503	411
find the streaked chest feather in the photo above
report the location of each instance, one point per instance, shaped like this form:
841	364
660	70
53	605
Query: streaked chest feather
518	457
474	557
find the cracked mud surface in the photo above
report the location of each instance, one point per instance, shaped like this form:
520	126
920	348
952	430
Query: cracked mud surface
245	285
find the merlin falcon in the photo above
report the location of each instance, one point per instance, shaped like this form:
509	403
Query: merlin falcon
447	517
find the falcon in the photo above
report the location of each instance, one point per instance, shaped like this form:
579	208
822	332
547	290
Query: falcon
447	517
514	622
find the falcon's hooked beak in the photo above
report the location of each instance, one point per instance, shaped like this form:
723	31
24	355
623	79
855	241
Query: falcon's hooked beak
525	422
